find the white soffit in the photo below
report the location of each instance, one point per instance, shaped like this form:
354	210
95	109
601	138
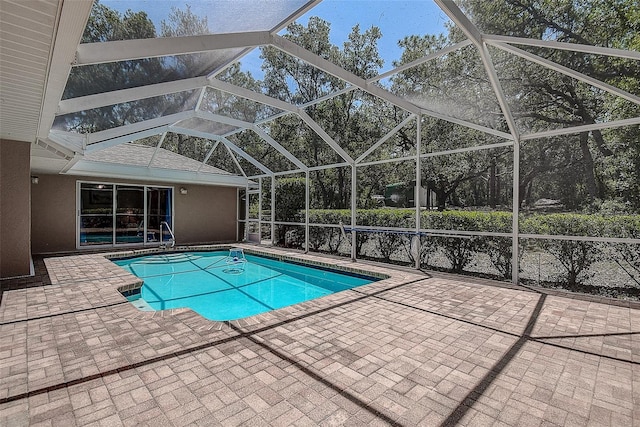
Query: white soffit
27	30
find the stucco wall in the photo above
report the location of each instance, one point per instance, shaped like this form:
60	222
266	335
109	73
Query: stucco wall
206	214
53	220
15	249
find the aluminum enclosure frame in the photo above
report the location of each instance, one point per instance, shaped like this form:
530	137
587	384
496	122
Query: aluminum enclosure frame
74	147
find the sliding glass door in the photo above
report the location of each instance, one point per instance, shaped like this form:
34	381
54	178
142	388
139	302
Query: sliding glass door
121	214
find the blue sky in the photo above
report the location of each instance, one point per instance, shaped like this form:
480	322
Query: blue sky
395	18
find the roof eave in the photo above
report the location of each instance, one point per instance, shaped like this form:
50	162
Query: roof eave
128	172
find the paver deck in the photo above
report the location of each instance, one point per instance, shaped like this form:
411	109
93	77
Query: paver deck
414	349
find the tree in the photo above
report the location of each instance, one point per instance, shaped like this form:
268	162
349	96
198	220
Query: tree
547	99
581	165
106	24
354	120
457	86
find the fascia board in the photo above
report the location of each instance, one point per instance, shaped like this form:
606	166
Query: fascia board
114	170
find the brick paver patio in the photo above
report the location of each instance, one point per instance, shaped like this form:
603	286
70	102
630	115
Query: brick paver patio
415	349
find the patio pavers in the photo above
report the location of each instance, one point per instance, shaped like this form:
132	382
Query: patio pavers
414	349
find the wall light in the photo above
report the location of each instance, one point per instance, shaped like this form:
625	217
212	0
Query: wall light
34	179
183	190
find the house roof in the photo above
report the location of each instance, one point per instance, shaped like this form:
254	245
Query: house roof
152	157
134	161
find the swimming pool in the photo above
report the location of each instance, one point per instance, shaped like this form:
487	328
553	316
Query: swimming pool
218	288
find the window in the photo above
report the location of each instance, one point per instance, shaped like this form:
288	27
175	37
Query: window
120	214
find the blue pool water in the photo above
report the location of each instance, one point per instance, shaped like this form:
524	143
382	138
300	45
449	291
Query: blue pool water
218	289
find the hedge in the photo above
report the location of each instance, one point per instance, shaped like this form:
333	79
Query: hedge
574	256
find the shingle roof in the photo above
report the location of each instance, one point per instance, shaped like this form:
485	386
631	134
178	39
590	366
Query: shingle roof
141	155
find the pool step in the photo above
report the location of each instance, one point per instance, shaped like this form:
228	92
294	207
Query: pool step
170	258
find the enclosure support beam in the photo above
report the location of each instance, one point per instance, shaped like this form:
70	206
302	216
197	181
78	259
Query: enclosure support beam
465	123
440	153
133	129
582	128
573	47
208	155
354	207
97	146
98	100
155	152
515	247
306	212
259	210
125	50
438	54
329	67
568	72
385	138
203	92
226	142
245	238
264	135
474	34
273	210
235	161
324	135
237	214
418	190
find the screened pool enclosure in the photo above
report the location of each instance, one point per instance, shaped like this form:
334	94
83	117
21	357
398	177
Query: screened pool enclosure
511	128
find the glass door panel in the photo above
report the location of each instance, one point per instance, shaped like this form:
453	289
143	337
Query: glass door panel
96	214
129	214
159	209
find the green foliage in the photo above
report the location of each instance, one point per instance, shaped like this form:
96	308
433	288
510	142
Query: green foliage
290	198
568	224
106	24
500	251
329	216
352	119
388	243
459	250
184	23
575	256
386	217
500	222
331	237
560	224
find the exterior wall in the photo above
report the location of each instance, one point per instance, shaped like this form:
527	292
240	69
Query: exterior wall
53	214
206	214
15	183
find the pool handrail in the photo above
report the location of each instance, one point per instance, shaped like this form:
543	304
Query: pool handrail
173	237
